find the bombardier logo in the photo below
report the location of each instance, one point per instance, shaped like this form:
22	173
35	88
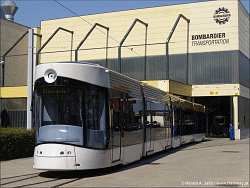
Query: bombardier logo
221	16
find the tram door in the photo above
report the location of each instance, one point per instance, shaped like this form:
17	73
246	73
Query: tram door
177	128
117	128
149	128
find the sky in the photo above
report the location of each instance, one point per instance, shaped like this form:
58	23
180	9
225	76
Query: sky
31	12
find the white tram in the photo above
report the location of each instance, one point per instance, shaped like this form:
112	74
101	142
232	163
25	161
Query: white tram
87	117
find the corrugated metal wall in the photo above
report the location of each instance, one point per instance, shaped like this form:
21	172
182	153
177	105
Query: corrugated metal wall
203	68
134	67
178	68
244	113
214	67
156	68
244	70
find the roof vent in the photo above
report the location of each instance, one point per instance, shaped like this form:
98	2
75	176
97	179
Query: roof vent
9	9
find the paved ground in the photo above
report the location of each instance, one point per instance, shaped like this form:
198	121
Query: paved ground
213	163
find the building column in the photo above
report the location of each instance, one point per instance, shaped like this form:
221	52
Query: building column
236	117
30	78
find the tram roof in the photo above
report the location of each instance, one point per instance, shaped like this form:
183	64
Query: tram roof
130	85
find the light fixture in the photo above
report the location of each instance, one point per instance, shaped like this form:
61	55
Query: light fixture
50	76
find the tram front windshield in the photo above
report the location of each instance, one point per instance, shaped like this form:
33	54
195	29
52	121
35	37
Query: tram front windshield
61	108
75	115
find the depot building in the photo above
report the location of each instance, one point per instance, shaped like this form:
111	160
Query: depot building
199	51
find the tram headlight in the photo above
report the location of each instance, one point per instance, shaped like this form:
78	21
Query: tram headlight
50	76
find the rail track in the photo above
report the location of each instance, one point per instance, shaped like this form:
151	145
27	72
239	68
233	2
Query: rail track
52	178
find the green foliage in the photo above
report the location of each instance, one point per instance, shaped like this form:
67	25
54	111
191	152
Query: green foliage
16	142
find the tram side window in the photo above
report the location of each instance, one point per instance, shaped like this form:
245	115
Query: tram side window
158	110
188	122
177	122
203	123
167	117
199	117
117	115
157	115
37	112
95	110
167	121
132	114
117	104
149	114
132	121
126	113
95	113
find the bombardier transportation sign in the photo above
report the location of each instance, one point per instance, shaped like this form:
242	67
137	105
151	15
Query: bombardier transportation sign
221	16
209	39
